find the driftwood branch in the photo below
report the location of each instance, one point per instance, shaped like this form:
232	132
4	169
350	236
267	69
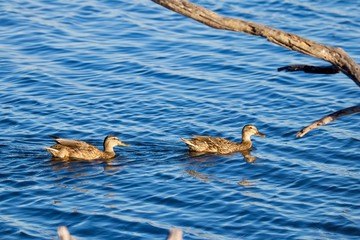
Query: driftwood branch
339	59
327	119
336	56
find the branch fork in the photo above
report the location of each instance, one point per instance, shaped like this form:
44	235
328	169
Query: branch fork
337	57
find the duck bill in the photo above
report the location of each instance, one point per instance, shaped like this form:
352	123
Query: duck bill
260	134
123	144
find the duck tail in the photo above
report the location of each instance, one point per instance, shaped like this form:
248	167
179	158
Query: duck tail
52	151
184	140
187	142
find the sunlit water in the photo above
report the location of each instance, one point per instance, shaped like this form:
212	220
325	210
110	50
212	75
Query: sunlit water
86	69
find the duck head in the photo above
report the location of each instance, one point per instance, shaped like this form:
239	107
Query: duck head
111	141
249	130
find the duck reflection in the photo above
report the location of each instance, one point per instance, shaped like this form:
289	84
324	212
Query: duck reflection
208	177
81	168
247	182
246	154
74	175
201	176
198	163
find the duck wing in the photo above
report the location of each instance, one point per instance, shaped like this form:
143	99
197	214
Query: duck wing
208	144
216	141
74	149
74	144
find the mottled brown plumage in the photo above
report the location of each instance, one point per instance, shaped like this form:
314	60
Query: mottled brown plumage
75	149
207	144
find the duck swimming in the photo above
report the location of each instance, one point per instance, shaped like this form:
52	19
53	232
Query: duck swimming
206	144
74	149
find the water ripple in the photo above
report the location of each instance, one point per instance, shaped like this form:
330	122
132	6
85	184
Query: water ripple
84	70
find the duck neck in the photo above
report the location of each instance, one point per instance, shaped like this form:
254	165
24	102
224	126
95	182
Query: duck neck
109	149
246	139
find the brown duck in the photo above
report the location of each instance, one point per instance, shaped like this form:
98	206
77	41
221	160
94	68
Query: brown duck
74	149
206	144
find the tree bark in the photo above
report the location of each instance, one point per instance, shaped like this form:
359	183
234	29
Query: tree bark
339	59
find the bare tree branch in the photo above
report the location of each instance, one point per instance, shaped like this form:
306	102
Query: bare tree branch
327	119
336	56
339	59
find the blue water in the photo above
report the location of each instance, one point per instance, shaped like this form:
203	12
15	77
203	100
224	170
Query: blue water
86	69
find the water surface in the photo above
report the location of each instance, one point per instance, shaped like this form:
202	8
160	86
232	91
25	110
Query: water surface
87	69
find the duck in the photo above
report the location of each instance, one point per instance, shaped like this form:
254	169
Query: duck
208	144
68	149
